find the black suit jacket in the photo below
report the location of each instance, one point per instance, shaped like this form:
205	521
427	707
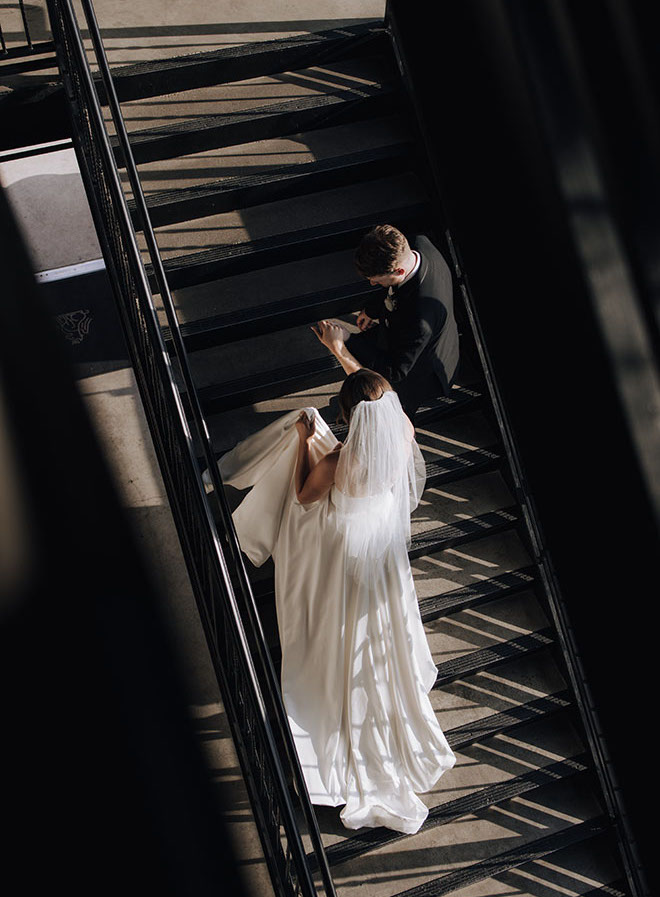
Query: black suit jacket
418	340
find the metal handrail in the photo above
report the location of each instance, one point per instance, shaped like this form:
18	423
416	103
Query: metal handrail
250	631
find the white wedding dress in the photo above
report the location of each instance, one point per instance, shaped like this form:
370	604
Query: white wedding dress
356	666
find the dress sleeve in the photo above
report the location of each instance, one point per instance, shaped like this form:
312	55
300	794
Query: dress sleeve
375	305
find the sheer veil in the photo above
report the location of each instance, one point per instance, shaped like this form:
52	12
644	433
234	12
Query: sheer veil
379	479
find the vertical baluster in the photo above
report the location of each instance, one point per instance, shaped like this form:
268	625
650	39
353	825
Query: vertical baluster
3	45
26	27
287	865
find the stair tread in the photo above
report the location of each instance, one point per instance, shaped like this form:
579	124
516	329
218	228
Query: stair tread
617	888
484	658
506	720
195	134
285	181
462	398
139	80
467	596
271	316
465	530
231	394
259	252
480	799
510	859
202	123
461	465
261	153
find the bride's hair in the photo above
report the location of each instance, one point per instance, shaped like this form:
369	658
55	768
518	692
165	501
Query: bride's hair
361	386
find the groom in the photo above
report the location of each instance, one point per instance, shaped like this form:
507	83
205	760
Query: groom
409	332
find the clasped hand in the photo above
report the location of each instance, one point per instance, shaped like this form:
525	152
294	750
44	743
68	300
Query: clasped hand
306	425
364	322
331	335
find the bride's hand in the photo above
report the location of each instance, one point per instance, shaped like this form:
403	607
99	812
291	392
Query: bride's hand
306	425
331	335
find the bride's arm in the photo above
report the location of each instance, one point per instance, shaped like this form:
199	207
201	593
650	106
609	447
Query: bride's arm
318	481
312	483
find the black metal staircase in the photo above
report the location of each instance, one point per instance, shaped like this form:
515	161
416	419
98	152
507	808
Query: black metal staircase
508	666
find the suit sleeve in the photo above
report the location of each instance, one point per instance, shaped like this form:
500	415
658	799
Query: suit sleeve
397	363
375	306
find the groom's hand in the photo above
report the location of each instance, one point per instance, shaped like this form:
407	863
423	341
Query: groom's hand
331	335
364	322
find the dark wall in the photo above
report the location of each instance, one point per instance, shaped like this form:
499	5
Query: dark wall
501	195
105	787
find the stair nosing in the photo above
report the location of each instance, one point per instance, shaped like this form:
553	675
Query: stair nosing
431	541
463	464
471	662
436	606
506	720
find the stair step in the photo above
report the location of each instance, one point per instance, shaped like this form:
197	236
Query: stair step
510	859
468	596
508	720
261	387
272	316
617	888
196	135
457	467
247	60
375	838
486	658
462	399
464	531
223	261
284	182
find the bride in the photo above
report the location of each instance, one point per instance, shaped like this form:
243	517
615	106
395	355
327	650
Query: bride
356	665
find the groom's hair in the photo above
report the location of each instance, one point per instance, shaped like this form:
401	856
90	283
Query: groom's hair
360	386
380	251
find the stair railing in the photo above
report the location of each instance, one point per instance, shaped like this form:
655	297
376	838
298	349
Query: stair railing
25	55
233	631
